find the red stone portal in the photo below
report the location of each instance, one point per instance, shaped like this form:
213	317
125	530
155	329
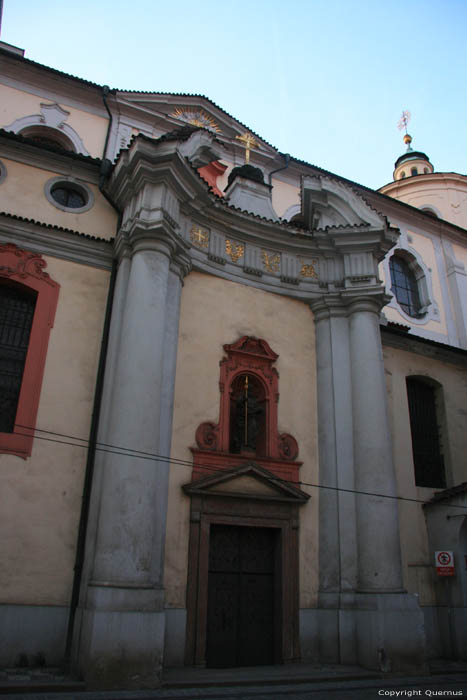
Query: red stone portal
27	269
247	430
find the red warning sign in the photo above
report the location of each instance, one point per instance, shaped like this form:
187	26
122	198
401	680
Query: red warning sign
444	562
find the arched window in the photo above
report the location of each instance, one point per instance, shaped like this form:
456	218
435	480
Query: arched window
423	398
28	299
413	171
247	428
402	175
405	286
247	416
47	136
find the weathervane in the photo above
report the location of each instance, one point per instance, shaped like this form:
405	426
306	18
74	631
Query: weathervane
402	124
250	142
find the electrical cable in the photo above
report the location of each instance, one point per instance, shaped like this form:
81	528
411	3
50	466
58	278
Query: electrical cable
140	454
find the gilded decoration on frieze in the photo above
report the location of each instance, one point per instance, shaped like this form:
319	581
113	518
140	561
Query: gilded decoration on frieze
234	250
199	236
308	268
271	261
196	117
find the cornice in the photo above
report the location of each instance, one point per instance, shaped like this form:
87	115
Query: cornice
402	340
57	242
165	199
23	150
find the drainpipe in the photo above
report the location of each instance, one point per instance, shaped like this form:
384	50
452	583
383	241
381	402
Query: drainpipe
284	167
105	171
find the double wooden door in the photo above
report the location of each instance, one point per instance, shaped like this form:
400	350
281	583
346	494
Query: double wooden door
243	596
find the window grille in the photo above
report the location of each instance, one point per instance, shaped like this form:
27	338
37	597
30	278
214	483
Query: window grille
16	315
426	445
404	286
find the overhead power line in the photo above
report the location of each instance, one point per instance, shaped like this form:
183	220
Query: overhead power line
151	456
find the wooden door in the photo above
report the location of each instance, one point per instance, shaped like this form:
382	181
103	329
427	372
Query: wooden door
242	590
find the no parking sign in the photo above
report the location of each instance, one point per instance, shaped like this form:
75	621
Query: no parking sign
444	562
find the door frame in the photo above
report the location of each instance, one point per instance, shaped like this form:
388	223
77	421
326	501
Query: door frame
279	512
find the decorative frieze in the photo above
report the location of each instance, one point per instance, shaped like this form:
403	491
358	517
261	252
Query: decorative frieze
234	250
308	268
271	261
199	236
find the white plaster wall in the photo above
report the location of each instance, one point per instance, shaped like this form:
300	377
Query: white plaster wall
40	498
284	196
22	194
215	312
416	556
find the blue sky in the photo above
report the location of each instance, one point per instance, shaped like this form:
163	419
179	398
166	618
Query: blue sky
324	80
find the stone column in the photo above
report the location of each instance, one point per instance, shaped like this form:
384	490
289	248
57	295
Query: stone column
337	531
122	638
377	518
389	622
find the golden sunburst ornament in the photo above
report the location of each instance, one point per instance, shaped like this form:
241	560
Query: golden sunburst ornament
197	117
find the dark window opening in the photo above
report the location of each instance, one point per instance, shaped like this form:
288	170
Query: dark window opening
68	196
405	286
426	444
414	171
48	136
16	315
247	416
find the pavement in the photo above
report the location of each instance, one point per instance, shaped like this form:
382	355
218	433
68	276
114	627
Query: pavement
296	681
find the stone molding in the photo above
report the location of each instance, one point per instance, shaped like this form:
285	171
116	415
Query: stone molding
62	244
53	117
28	270
158	188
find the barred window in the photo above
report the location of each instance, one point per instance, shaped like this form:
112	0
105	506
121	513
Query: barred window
424	426
17	306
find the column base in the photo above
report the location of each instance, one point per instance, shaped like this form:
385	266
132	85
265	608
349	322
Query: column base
121	639
390	632
380	631
121	649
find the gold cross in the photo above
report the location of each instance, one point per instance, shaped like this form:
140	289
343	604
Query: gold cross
199	236
250	142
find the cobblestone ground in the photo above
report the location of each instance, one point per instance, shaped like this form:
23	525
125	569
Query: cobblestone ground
454	685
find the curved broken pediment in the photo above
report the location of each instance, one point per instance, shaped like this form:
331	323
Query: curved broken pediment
329	203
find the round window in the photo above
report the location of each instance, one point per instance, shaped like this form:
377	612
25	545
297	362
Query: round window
69	195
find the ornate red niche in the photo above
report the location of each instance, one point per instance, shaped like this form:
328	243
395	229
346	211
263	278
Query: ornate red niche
27	269
247	368
211	172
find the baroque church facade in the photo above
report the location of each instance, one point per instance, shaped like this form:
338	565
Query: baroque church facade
232	393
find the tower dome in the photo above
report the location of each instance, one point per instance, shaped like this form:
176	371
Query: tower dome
411	162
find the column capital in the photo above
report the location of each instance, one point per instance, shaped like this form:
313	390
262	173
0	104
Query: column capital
347	302
372	300
142	236
328	306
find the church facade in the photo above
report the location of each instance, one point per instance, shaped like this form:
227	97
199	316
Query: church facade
233	394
